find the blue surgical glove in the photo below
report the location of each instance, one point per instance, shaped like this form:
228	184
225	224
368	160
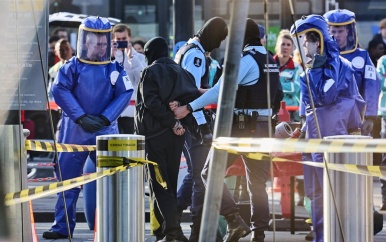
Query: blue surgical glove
89	123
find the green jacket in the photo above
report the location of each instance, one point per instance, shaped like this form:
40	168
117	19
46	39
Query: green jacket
381	69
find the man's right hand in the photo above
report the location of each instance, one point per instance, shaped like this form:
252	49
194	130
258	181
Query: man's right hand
90	123
178	129
173	105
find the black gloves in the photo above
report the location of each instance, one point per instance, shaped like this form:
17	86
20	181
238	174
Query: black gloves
92	123
367	127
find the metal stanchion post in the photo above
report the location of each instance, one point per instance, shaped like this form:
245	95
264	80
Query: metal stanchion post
120	197
354	198
13	163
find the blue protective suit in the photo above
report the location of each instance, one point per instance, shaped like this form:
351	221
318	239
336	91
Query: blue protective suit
367	80
81	89
338	106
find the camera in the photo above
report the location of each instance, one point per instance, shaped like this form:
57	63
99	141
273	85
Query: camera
121	44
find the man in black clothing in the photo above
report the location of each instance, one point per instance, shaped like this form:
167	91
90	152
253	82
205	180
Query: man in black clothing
162	82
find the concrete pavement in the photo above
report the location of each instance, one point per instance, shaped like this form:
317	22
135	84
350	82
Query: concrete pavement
82	232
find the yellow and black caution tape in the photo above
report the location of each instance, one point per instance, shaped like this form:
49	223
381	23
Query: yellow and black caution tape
300	145
42	191
50	147
377	171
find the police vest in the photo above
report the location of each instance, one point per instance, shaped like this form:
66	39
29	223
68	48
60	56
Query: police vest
255	96
180	55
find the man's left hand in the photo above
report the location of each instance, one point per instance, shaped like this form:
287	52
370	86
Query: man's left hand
181	112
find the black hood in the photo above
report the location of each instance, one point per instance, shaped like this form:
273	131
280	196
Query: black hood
252	33
156	48
212	33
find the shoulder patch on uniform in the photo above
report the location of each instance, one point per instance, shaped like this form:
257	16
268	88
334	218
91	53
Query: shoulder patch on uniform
197	61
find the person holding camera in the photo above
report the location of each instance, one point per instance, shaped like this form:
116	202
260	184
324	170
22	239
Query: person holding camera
133	63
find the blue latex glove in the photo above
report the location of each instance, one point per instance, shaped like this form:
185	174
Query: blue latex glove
89	123
367	127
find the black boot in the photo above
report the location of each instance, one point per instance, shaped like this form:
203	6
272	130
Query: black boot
257	236
237	228
175	236
195	232
53	235
206	134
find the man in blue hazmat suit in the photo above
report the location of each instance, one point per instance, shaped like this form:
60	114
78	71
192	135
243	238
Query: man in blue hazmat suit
92	92
337	102
343	28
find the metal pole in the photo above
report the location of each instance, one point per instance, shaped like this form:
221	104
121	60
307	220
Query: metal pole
120	197
353	195
13	163
162	18
183	19
223	124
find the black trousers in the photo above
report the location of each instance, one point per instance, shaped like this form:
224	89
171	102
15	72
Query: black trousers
126	125
257	172
165	149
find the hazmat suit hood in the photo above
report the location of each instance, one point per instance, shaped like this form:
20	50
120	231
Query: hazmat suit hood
328	47
94	41
346	18
156	48
214	31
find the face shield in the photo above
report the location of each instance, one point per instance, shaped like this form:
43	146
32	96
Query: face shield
309	43
94	45
345	36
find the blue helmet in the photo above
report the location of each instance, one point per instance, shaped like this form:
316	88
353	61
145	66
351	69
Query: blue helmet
94	41
316	25
343	28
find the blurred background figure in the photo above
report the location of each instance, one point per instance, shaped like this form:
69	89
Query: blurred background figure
138	45
381	36
263	38
376	49
52	57
289	71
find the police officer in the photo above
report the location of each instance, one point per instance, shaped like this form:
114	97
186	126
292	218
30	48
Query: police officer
191	57
92	92
338	104
251	104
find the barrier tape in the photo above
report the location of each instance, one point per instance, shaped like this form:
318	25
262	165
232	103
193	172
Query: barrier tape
35	145
376	171
42	191
252	145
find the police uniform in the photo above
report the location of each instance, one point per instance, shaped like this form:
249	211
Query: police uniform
251	103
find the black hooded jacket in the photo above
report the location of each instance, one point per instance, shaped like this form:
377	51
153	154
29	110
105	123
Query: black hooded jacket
161	82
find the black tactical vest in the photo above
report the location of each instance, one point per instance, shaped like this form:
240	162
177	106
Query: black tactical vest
255	96
180	55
